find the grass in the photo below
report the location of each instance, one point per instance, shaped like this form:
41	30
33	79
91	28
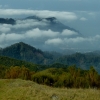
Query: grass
18	89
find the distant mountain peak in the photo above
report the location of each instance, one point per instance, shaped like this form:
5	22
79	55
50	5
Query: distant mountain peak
22	45
7	21
25	52
51	23
51	19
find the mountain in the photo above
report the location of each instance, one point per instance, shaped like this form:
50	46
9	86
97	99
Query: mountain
54	54
26	52
38	31
53	24
83	61
7	62
23	51
7	21
33	17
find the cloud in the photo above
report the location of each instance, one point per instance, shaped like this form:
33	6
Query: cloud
75	40
92	13
67	32
45	39
28	23
4	28
14	36
37	33
77	43
83	19
62	15
22	26
50	40
54	41
10	37
30	34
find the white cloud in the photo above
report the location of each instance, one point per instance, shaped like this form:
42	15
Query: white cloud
28	23
74	40
82	39
50	38
42	13
78	43
14	36
67	32
97	37
10	37
4	29
60	15
83	19
2	37
26	30
31	34
36	33
92	13
54	41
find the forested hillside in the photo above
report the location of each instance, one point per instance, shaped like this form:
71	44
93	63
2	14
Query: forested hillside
83	61
23	51
8	62
55	75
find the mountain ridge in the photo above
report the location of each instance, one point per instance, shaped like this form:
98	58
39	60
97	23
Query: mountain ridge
54	23
7	21
23	51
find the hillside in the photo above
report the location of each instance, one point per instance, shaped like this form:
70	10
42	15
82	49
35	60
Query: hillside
83	61
28	90
8	62
26	52
55	75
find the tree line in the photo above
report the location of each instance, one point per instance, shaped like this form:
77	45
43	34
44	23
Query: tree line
70	77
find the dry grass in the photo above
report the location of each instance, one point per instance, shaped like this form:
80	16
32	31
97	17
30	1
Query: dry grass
27	90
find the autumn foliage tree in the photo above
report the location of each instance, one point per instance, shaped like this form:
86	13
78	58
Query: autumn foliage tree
18	72
70	77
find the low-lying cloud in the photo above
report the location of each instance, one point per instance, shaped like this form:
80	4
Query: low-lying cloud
36	33
55	41
67	32
41	13
50	39
28	31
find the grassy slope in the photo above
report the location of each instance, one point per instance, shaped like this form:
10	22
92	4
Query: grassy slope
28	90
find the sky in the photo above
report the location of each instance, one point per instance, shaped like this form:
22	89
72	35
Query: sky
82	15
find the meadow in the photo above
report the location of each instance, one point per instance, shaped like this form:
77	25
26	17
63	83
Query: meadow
17	89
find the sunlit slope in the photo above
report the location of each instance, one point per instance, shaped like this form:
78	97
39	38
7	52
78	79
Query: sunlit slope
28	90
